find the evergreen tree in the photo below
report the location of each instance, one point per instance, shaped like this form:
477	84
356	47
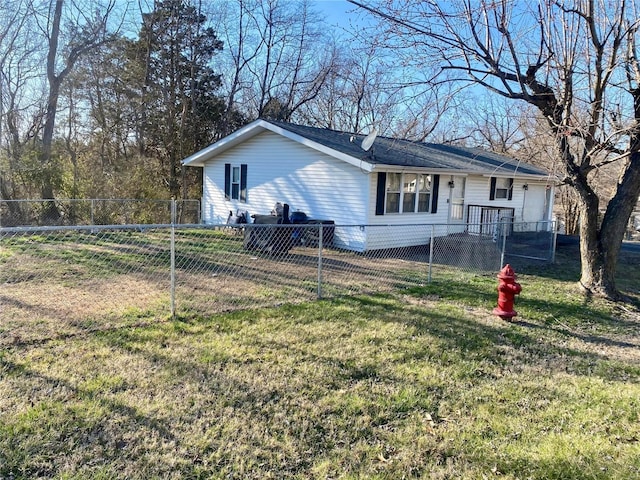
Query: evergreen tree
180	108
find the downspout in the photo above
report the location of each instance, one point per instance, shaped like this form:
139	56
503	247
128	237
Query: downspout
450	200
525	189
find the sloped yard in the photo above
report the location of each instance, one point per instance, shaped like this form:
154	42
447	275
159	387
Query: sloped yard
415	383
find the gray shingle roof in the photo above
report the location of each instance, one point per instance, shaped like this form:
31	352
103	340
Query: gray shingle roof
405	153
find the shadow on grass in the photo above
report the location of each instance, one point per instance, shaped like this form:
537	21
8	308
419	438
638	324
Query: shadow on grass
82	332
508	344
67	422
294	398
566	268
593	339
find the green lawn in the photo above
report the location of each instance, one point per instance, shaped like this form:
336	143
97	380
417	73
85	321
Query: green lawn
422	383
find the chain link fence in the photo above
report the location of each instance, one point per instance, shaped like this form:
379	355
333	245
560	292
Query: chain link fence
62	281
96	211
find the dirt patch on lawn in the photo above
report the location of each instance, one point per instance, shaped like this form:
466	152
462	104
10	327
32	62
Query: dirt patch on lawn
37	311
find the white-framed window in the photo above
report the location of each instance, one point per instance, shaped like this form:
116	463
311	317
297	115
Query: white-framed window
407	193
235	182
409	190
501	188
424	193
392	203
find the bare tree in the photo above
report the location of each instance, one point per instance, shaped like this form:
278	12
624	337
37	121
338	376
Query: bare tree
277	57
236	26
364	91
495	124
576	62
21	111
12	20
310	66
353	99
82	34
280	62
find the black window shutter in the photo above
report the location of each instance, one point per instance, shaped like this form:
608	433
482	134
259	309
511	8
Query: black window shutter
380	191
492	189
243	182
227	181
435	187
510	188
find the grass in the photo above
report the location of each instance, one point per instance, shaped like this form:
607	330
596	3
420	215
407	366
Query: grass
417	383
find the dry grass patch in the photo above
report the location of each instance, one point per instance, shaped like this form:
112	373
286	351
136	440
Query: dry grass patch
38	311
413	383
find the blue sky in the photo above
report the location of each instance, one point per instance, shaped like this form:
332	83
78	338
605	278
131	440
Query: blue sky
337	11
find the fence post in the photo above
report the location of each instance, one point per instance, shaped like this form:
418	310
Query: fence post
430	255
504	244
173	258
554	240
320	233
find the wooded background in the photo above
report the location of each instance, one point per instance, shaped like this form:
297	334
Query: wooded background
104	98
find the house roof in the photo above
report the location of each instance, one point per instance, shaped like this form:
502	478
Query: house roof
384	153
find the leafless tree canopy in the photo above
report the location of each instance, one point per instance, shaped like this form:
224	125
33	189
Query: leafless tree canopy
96	94
575	62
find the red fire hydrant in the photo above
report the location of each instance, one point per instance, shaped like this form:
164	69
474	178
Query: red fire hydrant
507	289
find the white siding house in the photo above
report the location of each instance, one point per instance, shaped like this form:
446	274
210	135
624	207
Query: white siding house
281	170
327	175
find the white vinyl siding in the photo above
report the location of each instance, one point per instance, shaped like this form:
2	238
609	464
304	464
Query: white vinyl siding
528	204
281	170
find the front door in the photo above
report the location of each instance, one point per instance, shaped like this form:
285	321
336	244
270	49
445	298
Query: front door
456	199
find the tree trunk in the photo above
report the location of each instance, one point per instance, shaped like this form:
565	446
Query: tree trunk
598	274
50	211
595	275
15	212
600	241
